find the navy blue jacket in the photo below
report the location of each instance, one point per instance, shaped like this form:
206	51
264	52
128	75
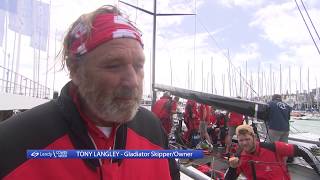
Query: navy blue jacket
279	115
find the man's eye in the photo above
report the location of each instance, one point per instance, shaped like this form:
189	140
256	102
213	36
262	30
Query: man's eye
113	66
138	66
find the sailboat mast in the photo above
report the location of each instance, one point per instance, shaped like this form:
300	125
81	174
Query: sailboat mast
12	61
251	82
154	95
212	75
214	83
300	88
317	94
274	83
234	79
289	79
259	80
300	82
170	72
207	85
229	75
188	75
270	74
246	89
54	64
38	70
194	45
308	94
5	51
240	85
34	73
223	83
202	75
191	75
17	64
262	80
48	56
280	81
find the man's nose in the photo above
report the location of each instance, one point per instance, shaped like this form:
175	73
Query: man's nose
130	76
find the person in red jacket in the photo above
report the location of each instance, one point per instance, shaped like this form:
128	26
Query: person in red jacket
191	119
260	160
163	109
97	110
217	131
213	117
235	119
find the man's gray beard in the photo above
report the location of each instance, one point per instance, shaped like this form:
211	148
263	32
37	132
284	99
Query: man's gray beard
102	105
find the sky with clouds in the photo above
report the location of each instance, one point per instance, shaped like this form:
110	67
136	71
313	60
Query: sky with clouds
252	37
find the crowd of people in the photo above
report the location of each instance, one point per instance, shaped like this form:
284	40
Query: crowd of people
205	125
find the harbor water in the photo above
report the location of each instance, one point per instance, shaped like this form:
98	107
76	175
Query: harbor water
312	126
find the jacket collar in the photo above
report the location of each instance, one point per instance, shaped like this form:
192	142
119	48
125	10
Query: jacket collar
78	131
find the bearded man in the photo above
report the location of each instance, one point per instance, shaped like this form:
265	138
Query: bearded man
97	109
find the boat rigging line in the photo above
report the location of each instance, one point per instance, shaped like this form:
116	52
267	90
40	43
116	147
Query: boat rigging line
304	7
314	42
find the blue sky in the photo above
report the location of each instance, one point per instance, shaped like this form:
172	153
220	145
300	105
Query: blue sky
257	32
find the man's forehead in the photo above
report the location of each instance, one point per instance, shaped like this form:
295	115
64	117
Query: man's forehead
244	136
117	48
122	43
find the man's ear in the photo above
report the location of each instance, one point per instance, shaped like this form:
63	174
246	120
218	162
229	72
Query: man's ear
74	76
74	72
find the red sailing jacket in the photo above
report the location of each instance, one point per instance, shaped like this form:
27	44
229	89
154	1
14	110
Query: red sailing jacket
191	115
58	125
213	118
235	119
174	106
268	161
220	120
161	108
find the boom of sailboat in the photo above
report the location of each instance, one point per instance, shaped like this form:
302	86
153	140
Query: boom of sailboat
245	107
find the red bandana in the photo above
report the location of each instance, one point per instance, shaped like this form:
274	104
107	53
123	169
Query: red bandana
104	28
